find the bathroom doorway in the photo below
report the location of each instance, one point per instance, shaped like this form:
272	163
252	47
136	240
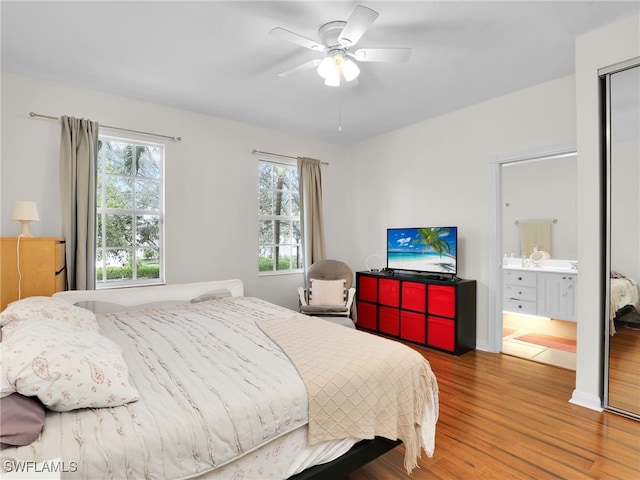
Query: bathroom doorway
537	321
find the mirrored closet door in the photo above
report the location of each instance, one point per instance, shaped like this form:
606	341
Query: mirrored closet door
622	246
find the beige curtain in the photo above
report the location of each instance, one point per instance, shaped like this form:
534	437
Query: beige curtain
78	158
311	210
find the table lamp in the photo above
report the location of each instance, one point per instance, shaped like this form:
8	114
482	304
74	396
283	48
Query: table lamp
25	212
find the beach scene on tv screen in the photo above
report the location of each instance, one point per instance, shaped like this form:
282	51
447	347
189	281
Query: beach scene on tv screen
422	249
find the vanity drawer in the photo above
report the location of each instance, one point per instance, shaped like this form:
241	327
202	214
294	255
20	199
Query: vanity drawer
520	292
520	277
520	306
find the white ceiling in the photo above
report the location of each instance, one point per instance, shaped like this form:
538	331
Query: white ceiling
218	58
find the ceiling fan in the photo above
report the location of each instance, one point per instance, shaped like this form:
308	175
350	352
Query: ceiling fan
337	39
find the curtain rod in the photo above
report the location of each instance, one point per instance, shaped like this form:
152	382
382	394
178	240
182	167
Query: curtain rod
175	139
280	155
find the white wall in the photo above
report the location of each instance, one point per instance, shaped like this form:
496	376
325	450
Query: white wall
211	178
598	49
436	173
543	189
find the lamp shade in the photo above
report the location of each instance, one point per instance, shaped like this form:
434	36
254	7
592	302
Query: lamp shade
25	212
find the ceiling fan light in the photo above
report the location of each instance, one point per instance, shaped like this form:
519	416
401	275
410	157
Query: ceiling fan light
350	70
333	80
327	67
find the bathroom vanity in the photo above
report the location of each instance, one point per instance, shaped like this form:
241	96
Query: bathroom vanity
546	290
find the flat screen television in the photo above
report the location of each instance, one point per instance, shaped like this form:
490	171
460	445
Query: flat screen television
425	250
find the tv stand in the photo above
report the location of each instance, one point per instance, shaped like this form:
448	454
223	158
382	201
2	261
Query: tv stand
435	277
428	310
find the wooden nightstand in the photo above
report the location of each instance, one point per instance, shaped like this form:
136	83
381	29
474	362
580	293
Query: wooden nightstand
42	268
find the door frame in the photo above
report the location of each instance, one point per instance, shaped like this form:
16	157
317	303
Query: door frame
495	235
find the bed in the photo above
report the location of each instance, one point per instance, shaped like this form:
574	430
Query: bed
217	385
623	298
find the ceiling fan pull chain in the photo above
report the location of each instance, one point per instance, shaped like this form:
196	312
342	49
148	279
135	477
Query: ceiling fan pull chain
340	111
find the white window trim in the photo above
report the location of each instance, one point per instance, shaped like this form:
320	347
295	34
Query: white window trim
290	164
100	285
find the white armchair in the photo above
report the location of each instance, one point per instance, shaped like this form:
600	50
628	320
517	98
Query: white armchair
329	292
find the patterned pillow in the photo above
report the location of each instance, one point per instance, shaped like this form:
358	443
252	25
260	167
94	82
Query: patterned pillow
65	366
327	292
48	308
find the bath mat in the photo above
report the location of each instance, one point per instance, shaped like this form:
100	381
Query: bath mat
549	341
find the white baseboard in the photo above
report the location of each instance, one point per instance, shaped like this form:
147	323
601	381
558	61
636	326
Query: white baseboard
588	401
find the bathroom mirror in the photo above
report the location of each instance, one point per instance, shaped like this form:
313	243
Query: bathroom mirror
528	208
621	390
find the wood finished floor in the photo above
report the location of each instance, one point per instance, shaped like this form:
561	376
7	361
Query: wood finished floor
503	417
624	369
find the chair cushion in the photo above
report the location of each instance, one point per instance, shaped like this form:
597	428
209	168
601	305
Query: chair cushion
327	292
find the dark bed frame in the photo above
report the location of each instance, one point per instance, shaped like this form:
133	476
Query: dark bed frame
360	454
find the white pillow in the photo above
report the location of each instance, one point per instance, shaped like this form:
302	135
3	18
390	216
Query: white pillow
214	295
327	292
48	308
65	366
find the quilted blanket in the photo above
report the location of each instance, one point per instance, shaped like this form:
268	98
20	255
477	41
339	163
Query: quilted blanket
364	386
213	388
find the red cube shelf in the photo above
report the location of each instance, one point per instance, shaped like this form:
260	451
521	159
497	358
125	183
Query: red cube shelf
389	292
389	320
368	289
368	315
414	296
442	333
442	300
412	327
436	313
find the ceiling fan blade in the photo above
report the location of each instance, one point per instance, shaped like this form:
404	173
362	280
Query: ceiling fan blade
292	37
358	23
300	68
382	54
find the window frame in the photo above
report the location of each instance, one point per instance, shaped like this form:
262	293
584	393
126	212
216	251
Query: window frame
288	218
135	212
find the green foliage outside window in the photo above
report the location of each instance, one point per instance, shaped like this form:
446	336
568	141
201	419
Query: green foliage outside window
279	227
129	209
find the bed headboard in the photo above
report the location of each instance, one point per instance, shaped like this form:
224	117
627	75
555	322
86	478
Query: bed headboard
135	296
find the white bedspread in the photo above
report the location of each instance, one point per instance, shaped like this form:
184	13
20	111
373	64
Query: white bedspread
247	394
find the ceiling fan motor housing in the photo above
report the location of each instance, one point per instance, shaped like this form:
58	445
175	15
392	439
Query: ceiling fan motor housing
329	33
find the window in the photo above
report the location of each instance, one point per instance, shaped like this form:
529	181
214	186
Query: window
280	233
129	217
